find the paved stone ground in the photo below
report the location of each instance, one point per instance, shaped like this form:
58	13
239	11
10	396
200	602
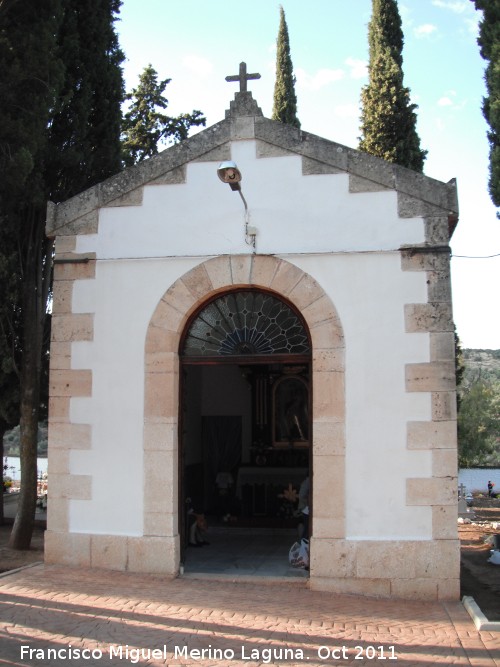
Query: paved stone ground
64	610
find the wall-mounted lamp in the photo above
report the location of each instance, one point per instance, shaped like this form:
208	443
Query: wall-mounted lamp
229	173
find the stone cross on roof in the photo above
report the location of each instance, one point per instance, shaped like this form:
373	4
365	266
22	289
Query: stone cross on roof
242	77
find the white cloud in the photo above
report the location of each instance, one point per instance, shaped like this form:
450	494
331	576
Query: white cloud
346	110
449	99
445	102
359	68
322	78
473	26
457	6
424	30
198	65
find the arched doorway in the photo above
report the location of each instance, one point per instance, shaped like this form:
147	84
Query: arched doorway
162	436
246	428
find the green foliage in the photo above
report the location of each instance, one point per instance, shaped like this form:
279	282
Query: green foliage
12	441
84	131
459	367
145	127
30	77
479	425
388	119
481	365
285	99
60	94
489	43
479	408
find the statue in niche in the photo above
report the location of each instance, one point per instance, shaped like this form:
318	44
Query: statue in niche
291	413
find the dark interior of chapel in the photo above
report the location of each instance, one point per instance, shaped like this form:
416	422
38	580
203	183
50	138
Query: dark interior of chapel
245	443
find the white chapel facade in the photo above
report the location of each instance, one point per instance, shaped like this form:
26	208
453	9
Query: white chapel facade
338	298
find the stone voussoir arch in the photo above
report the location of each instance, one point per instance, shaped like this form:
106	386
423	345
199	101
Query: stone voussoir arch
161	403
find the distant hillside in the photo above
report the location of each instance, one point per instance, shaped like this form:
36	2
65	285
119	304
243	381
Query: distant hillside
11	441
481	365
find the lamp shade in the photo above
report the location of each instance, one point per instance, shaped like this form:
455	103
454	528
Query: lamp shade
228	172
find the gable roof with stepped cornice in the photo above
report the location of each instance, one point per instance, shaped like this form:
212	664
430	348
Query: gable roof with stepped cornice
418	195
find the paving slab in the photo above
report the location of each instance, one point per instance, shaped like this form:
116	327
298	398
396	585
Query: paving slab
52	615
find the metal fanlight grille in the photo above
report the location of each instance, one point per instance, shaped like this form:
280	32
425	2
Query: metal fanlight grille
246	323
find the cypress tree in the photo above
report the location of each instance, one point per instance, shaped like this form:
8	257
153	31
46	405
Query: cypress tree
489	43
388	119
60	93
285	99
84	132
30	78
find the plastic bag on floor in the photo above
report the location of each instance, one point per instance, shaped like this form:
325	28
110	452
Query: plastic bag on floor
299	554
494	558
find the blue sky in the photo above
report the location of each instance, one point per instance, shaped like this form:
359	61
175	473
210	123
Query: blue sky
198	43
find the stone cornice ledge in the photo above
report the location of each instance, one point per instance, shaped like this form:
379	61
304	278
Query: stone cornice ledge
84	205
358	163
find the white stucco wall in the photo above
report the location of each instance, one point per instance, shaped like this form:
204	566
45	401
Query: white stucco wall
369	293
182	225
293	214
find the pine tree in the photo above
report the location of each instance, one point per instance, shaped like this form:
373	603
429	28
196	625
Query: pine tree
489	43
388	119
145	127
285	99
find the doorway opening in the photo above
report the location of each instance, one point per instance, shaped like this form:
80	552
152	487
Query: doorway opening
245	435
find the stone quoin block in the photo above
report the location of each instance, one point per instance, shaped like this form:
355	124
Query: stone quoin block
62	298
434	376
427	491
57	517
442	346
70	383
439	286
431	435
444	522
58	410
72	327
81	270
423	317
333	558
70	436
60	355
444	462
76	487
64	246
155	555
444	406
72	549
108	552
385	560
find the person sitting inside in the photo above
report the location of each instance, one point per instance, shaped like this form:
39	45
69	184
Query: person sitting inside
198	529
